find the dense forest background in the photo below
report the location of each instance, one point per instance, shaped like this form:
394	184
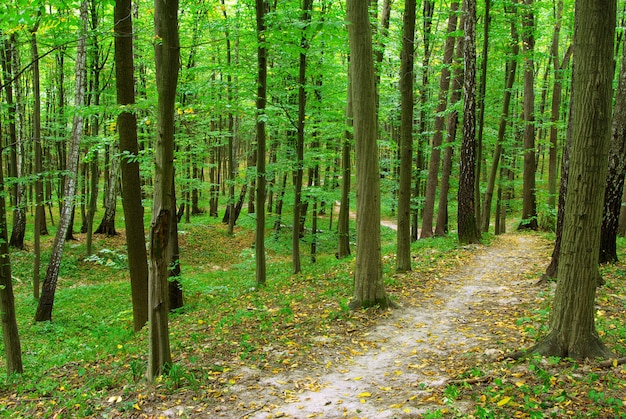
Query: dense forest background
140	122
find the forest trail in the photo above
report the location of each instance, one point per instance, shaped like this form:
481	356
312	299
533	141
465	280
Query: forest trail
398	368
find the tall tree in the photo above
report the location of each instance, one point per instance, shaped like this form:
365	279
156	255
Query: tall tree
440	119
403	258
467	226
129	164
509	75
10	334
166	54
572	330
44	309
369	288
299	155
616	171
343	224
529	210
261	102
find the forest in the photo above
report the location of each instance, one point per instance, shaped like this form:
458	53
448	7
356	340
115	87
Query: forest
312	208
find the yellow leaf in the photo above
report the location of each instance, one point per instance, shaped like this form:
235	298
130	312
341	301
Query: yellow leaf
365	394
520	383
615	363
385	388
396	406
398	372
504	401
357	378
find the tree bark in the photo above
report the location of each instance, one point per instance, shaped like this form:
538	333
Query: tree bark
261	176
129	165
616	172
44	309
107	225
467	227
167	53
369	288
572	326
10	333
403	252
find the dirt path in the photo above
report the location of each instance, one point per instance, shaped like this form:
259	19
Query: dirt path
396	369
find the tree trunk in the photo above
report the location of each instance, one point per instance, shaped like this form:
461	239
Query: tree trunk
10	334
467	227
572	326
529	210
616	172
511	69
166	54
368	280
129	166
261	176
442	104
403	252
44	309
481	110
441	228
343	223
299	163
107	225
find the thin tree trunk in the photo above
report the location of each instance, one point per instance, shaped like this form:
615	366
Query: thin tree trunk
529	210
511	69
261	102
10	334
44	309
343	223
403	258
129	166
442	103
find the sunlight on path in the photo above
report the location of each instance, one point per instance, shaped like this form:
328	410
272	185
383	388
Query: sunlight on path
393	370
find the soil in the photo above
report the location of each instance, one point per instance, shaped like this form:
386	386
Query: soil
400	367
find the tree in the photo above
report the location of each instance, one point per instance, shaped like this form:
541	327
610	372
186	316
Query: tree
529	210
467	226
572	330
129	164
369	288
44	308
166	55
616	171
10	334
403	258
343	224
442	103
261	102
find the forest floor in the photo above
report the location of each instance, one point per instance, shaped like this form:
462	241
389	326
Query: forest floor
401	365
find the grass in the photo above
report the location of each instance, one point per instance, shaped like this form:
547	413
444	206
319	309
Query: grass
88	362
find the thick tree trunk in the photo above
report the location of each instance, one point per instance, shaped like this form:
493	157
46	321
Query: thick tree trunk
442	103
572	326
467	227
44	309
369	288
167	53
129	166
403	252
